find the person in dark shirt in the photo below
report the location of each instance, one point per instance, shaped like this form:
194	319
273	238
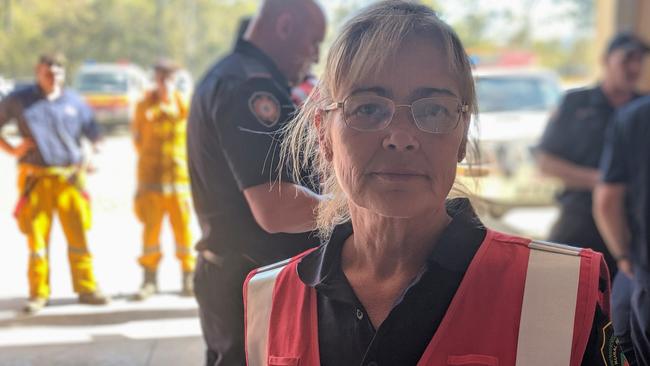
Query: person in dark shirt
572	144
622	211
51	122
250	213
406	275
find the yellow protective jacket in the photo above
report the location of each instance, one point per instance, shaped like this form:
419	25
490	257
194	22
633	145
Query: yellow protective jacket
159	131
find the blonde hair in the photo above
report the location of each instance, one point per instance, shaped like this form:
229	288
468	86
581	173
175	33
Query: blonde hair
367	41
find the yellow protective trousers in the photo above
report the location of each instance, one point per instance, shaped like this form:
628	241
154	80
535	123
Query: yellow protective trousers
150	208
44	191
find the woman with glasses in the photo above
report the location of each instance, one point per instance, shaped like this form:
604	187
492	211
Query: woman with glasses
408	276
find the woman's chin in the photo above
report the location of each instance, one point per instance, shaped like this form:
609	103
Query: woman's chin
400	208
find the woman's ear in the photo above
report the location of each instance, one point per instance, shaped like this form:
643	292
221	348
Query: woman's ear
323	141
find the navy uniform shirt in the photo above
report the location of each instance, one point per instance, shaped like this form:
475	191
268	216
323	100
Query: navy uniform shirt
233	144
346	334
56	125
576	133
626	160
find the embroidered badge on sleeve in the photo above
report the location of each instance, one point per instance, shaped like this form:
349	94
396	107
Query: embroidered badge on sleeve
610	350
265	107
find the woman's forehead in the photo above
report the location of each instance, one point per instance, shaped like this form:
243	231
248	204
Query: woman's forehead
419	63
404	82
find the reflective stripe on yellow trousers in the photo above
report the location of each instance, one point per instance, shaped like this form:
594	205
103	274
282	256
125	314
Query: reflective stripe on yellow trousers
46	190
150	208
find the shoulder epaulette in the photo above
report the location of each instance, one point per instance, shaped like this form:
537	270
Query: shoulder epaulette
255	69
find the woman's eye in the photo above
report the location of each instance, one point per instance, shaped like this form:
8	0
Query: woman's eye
434	110
368	110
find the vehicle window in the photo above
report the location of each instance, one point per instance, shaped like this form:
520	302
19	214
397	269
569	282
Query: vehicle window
501	94
103	82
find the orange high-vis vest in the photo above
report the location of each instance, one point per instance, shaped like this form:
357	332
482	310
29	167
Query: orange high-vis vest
520	303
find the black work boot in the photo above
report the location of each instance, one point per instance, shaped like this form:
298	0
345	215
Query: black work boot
93	298
188	284
34	305
149	286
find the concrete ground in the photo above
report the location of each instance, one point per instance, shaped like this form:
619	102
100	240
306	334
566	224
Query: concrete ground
161	331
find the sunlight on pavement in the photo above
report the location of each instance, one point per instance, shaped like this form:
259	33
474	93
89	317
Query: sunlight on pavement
164	316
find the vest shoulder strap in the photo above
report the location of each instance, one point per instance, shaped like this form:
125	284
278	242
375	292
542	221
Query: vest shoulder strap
258	303
549	305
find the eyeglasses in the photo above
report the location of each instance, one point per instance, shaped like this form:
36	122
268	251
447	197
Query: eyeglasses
439	115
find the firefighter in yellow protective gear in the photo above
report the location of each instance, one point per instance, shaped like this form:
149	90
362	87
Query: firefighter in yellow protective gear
159	130
51	121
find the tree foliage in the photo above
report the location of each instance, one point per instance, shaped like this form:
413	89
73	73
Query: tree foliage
197	32
194	32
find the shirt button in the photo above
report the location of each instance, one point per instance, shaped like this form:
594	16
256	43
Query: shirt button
360	316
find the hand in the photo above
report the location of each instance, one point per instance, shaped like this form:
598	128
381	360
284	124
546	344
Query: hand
97	147
90	168
23	148
624	265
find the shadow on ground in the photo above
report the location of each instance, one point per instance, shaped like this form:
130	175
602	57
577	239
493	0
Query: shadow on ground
19	319
109	350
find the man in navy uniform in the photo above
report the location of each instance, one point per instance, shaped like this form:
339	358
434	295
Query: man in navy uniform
572	144
51	121
250	213
622	211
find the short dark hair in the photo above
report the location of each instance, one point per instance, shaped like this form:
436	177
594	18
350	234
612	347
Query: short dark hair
165	66
52	58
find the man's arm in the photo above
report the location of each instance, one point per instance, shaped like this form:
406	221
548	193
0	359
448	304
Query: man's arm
611	219
572	175
19	150
136	125
283	207
5	116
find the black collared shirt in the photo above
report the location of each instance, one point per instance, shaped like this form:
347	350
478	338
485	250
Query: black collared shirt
576	133
346	335
236	113
626	160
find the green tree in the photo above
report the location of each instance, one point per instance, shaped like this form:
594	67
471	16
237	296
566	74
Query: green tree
195	32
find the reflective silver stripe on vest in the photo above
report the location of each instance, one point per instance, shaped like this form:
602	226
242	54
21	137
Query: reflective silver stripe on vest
259	301
39	254
549	305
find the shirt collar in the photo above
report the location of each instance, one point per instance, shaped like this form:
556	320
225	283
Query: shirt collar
454	250
598	97
249	49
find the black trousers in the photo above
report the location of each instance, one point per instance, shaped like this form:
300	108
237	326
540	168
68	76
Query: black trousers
218	290
621	314
640	322
579	229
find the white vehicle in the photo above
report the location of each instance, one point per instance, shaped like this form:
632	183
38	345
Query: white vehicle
112	90
514	108
184	82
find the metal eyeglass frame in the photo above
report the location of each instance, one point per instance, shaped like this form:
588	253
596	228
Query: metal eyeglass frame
462	108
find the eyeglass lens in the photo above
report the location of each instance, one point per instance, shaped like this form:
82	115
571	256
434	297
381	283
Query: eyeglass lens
373	112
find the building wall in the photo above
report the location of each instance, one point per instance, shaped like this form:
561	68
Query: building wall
613	16
643	29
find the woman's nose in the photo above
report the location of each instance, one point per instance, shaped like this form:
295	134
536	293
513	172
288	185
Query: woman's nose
401	132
